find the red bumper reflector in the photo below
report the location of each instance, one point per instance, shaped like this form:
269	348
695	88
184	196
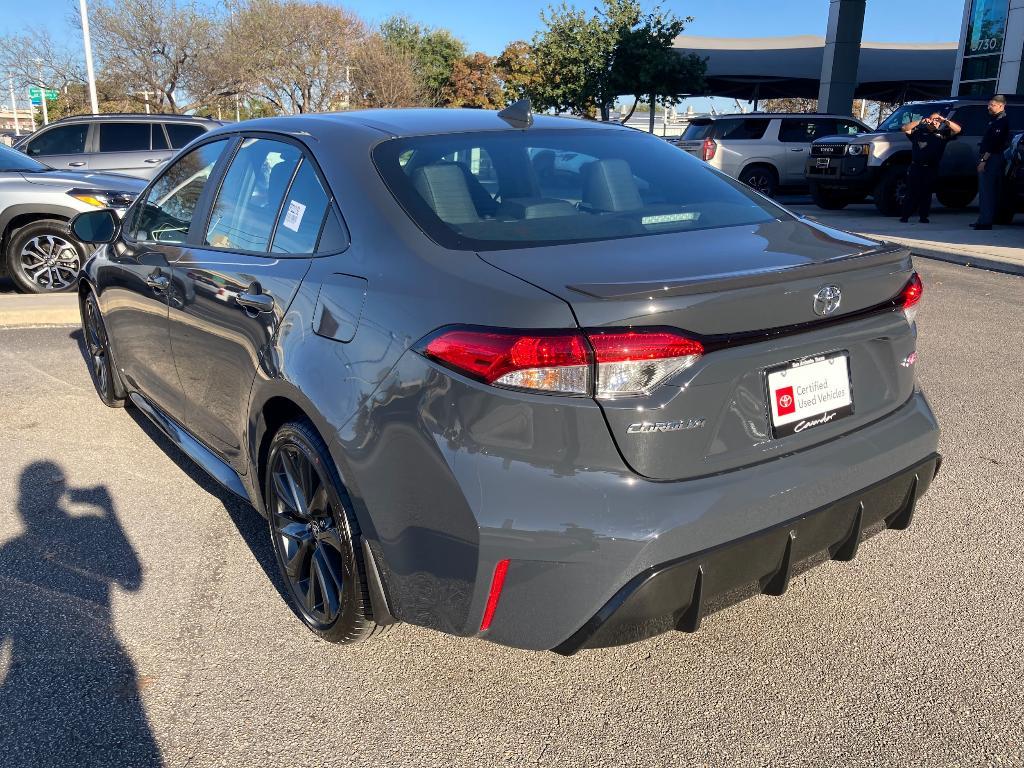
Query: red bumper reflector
497	582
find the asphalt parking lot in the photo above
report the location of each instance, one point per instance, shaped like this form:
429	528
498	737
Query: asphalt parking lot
141	624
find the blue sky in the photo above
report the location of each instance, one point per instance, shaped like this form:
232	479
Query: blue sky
487	25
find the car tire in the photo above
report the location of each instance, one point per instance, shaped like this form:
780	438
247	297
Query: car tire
891	190
957	197
829	199
762	178
316	538
105	377
43	257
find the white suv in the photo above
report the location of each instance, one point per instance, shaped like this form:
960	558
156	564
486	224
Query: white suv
766	151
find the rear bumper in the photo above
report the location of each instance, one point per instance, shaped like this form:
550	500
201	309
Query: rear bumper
677	594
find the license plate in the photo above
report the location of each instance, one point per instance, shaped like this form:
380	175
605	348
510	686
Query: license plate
822	162
809	393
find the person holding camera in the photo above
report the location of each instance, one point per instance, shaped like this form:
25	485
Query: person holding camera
928	138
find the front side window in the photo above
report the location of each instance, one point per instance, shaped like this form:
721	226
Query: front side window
166	214
806	130
972	120
124	137
251	194
846	128
910	113
63	140
545	187
302	215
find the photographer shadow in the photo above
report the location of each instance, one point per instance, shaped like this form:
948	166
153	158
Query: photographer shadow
69	691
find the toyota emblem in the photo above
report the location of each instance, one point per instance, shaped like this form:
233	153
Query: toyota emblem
826	300
785	401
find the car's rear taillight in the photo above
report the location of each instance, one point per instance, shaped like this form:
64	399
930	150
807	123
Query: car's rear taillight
602	362
549	362
910	296
635	362
708	150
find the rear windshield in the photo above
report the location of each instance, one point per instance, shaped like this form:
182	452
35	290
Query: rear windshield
495	190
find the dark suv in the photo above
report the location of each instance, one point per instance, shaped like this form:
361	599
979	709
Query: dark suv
547	382
847	169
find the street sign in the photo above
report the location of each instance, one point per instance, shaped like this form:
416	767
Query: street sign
34	92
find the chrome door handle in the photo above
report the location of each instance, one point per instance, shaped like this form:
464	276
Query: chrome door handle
158	281
797	149
153	160
259	302
76	164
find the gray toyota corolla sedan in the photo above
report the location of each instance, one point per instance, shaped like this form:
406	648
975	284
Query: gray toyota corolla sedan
550	383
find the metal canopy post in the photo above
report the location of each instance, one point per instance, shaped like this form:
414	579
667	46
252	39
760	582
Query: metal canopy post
842	56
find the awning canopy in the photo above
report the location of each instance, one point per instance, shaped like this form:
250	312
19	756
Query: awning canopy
790	67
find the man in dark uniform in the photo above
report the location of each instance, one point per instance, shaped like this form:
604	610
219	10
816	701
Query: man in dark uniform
991	163
928	137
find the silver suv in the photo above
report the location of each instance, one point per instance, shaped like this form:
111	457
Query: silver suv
764	151
126	143
37	251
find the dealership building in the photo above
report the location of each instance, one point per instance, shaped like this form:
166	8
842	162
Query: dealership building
840	66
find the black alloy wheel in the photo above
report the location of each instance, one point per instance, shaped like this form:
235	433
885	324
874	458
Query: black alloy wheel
761	178
315	537
97	343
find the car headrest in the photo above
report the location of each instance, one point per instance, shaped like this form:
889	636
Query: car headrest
278	180
608	185
444	188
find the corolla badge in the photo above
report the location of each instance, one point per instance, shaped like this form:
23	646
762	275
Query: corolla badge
826	300
648	427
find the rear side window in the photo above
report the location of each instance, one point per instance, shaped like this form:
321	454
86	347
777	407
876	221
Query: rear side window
166	214
302	215
251	194
124	137
558	186
698	129
159	141
741	129
182	133
63	140
1016	116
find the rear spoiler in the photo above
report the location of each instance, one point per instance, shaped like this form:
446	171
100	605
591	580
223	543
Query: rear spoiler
888	253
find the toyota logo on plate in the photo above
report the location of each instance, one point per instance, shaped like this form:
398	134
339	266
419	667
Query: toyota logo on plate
826	300
785	401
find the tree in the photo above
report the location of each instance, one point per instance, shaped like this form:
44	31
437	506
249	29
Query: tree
434	52
385	75
294	55
644	63
585	62
474	83
516	68
160	46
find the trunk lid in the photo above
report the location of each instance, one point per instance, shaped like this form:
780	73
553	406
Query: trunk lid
725	286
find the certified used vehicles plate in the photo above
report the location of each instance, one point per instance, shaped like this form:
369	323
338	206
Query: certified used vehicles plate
809	393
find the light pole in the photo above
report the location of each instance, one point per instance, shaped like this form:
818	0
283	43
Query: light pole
42	95
14	106
88	58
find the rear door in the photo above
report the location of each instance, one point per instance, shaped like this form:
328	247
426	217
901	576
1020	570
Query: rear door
61	146
961	157
136	148
795	137
238	277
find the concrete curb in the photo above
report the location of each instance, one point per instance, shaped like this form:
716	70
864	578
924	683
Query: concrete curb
992	265
32	311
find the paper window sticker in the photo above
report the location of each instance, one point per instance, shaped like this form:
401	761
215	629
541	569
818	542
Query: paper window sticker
293	218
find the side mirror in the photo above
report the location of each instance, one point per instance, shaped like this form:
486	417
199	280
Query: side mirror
96	227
